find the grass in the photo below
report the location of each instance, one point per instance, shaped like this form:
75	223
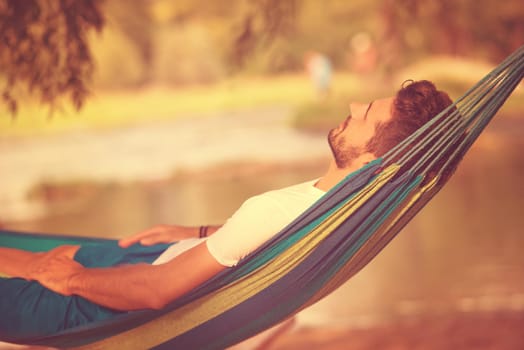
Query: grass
106	109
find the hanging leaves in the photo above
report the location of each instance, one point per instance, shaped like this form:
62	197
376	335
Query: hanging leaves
44	49
261	23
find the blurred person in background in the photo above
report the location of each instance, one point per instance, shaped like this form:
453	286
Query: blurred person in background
318	67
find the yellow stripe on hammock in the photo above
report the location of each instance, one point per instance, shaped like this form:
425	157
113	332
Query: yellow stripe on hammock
187	317
358	261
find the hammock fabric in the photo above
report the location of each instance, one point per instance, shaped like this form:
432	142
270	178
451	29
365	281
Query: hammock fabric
313	255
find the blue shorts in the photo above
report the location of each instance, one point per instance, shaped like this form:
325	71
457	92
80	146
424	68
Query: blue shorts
27	309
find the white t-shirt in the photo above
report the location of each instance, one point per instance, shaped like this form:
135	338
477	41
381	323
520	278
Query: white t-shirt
255	222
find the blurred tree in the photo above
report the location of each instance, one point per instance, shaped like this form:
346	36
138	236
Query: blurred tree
488	29
186	54
43	48
133	20
119	62
329	28
190	40
260	23
302	26
124	52
233	36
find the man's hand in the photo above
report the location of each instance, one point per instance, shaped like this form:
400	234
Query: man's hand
54	268
160	234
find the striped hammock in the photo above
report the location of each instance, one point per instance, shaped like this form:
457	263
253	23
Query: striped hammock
313	255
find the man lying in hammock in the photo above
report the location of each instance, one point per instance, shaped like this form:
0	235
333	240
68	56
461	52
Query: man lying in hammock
71	285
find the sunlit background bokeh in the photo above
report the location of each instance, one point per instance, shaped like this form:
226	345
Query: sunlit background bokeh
194	106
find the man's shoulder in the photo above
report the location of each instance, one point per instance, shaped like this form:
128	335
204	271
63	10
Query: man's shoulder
287	199
301	190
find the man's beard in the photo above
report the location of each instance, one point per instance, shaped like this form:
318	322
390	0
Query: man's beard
344	155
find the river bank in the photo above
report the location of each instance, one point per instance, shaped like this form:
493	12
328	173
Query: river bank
147	152
466	331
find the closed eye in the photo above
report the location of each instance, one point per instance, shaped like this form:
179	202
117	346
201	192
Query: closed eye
367	110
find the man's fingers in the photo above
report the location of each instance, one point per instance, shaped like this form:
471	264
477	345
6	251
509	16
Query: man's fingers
140	237
153	239
151	236
125	242
147	241
128	241
65	250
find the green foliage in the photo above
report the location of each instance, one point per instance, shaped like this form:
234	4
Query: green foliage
489	29
118	60
43	47
186	54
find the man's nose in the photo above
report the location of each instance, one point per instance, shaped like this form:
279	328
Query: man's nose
358	110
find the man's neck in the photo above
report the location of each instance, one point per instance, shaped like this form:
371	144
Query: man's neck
334	174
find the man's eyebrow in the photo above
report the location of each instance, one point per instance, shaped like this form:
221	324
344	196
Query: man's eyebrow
367	110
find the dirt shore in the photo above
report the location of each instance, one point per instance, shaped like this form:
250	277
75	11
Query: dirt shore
476	330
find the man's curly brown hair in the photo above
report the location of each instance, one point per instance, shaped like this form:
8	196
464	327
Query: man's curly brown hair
414	105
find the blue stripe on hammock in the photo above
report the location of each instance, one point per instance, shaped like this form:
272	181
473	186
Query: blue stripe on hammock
251	316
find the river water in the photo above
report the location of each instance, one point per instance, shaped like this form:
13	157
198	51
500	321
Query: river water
462	253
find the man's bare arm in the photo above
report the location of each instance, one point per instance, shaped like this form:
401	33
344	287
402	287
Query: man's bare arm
17	263
133	287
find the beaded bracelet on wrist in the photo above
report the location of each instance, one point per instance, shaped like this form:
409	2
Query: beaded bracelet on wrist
202	232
